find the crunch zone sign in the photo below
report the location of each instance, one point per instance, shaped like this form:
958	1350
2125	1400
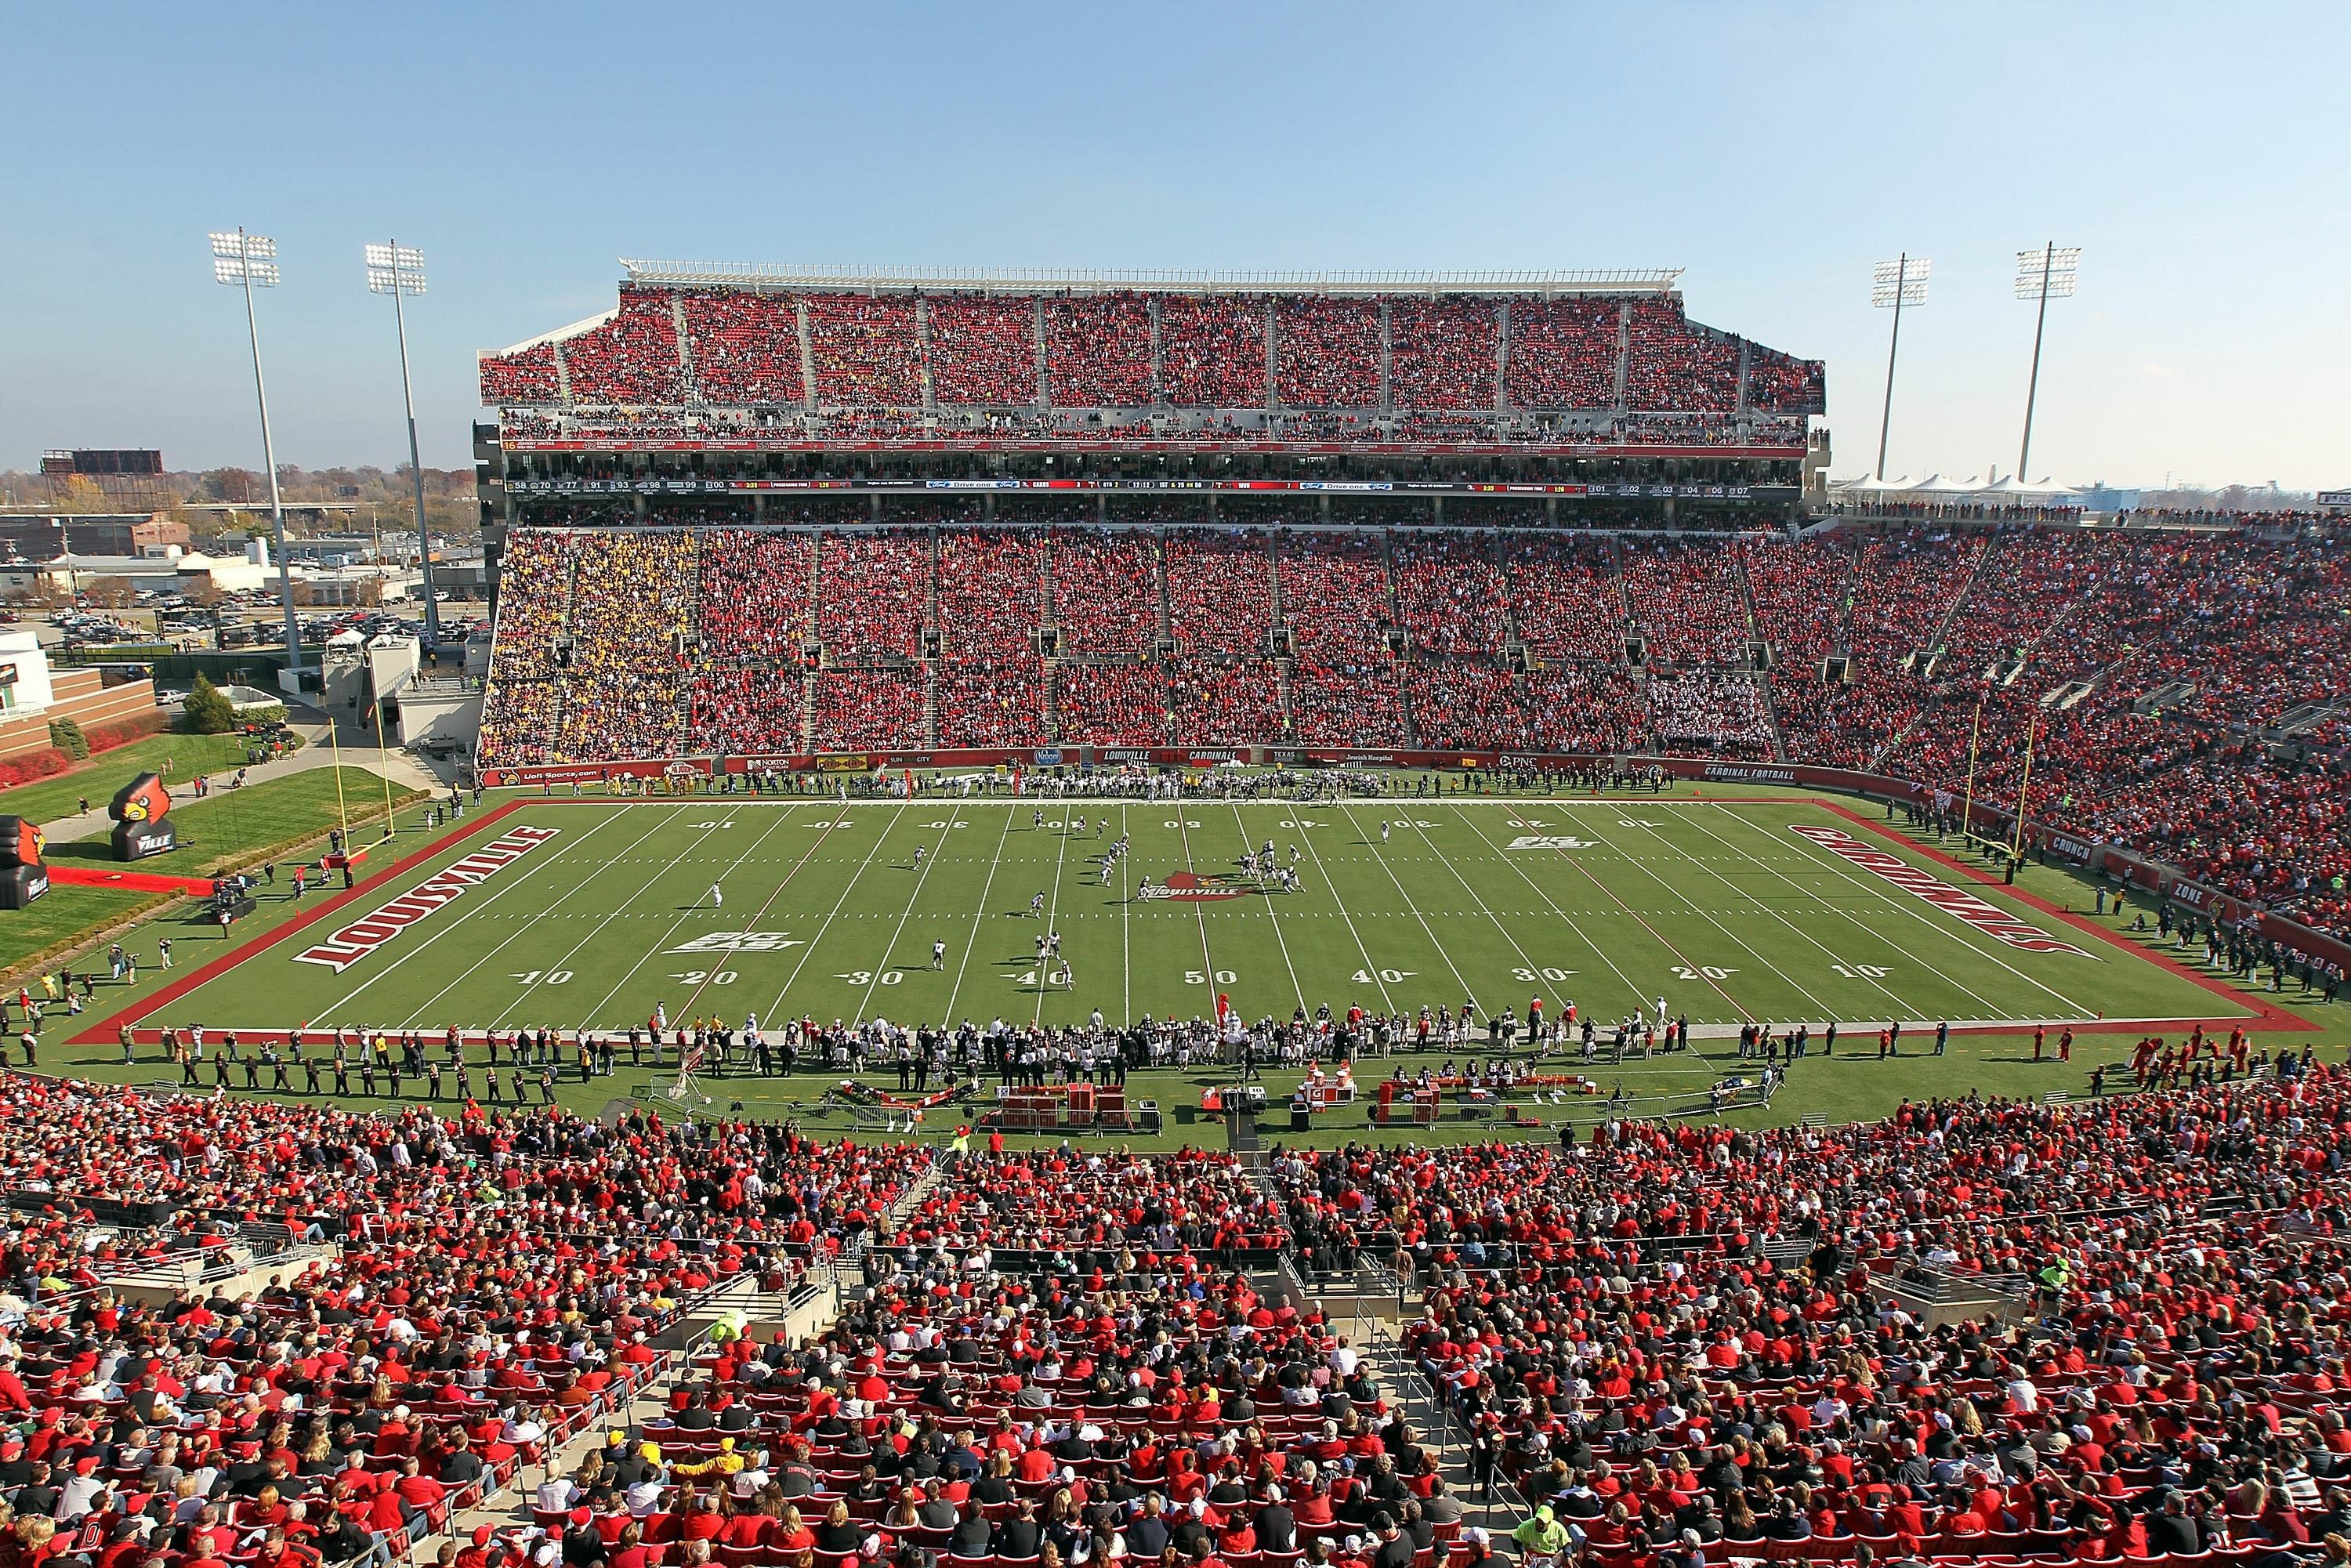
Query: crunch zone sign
361	937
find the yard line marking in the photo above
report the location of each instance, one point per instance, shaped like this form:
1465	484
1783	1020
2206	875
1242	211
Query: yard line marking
847	888
1388	1002
1854	918
563	962
1278	939
1763	908
1053	911
1707	915
980	917
1815	854
1208	964
1125	919
761	913
1545	895
929	862
679	920
1617	899
1382	861
608	819
1447	861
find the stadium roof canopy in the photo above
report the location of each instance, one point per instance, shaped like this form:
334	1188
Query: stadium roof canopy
745	275
1970	488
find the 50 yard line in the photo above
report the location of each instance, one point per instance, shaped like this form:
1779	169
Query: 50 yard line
1125	921
1208	964
1279	940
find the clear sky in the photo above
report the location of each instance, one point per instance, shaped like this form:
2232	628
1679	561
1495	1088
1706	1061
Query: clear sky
2197	154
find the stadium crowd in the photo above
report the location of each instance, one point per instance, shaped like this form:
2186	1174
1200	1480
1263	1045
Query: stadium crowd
872	358
1680	1344
2136	670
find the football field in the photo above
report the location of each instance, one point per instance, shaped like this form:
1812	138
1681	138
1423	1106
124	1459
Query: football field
593	913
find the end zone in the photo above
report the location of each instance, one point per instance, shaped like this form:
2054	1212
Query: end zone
105	1030
2266	1016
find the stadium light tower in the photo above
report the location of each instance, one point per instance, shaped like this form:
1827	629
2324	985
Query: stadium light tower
1896	283
249	262
397	269
2040	275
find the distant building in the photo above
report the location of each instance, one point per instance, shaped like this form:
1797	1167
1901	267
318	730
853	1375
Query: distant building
132	476
33	696
172	571
35	537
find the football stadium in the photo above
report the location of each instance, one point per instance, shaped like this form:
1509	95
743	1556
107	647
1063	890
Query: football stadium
1270	919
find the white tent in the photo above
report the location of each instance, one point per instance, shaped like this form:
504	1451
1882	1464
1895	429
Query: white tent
2009	491
2026	492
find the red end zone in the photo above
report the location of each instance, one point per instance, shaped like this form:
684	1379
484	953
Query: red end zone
103	1032
2267	1015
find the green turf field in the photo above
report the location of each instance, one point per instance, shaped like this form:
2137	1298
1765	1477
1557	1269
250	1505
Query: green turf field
177	757
1725	910
226	829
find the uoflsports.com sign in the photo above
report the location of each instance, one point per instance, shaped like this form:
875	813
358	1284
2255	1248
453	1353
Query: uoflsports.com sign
361	937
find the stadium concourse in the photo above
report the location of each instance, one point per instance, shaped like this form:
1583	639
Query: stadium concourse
2179	690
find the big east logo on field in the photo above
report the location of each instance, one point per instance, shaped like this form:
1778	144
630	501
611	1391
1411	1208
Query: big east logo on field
1191	887
361	937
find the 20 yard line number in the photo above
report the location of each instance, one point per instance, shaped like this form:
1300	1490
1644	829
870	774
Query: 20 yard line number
698	977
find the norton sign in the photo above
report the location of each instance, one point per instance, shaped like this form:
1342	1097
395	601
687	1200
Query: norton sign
361	937
1959	904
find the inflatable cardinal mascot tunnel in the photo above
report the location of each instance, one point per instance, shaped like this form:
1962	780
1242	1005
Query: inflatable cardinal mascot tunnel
142	826
23	877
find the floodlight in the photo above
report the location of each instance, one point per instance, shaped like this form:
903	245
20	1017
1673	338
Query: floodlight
399	269
2048	268
1899	283
2041	275
250	261
395	268
1896	283
240	258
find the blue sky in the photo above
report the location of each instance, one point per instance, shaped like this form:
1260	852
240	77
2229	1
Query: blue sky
2197	154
